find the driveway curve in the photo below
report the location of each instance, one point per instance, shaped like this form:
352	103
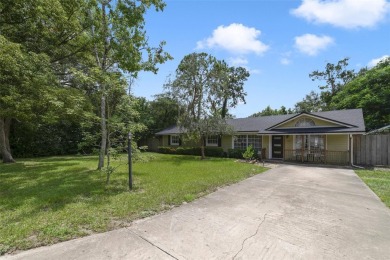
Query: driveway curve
289	212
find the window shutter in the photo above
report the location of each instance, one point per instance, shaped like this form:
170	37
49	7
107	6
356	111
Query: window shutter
219	141
169	140
204	141
179	141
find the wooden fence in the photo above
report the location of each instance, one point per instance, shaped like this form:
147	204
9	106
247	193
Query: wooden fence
371	149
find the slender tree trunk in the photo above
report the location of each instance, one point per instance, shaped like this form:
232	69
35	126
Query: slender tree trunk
5	126
102	63
103	125
109	171
203	156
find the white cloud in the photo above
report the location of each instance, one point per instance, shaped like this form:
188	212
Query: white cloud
374	62
285	61
235	38
344	13
311	44
238	61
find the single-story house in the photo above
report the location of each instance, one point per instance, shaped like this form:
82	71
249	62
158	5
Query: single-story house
323	137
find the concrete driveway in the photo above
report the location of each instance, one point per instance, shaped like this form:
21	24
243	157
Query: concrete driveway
289	212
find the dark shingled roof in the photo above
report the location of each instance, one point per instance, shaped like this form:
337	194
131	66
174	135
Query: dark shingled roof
351	118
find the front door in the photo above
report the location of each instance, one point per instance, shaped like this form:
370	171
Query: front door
277	146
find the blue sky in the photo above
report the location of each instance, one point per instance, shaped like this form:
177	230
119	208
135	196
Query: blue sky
279	41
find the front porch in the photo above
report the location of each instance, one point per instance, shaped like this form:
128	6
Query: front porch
317	156
309	148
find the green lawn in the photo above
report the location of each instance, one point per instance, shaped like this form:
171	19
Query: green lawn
378	181
47	200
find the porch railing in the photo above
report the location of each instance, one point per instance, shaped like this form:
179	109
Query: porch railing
317	156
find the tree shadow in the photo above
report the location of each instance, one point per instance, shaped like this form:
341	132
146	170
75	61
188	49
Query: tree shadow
49	184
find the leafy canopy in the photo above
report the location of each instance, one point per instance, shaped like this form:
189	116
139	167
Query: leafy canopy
370	90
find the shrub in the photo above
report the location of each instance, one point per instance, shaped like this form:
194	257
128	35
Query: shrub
209	151
235	153
143	148
167	149
213	151
249	153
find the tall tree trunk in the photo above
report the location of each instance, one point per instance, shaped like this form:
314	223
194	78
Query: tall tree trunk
224	108
7	129
109	171
102	64
103	124
5	126
203	140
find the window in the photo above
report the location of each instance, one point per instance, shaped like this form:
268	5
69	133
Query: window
240	142
243	141
310	142
212	140
175	140
317	142
255	141
305	122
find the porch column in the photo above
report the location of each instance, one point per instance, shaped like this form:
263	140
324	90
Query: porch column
270	146
351	149
302	147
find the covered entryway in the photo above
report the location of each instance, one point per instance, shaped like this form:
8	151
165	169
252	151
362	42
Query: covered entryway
277	147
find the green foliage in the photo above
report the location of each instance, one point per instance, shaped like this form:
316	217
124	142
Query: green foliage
60	198
157	114
370	90
229	84
209	151
235	153
29	140
332	79
40	43
120	45
268	111
249	153
311	103
205	88
143	148
335	77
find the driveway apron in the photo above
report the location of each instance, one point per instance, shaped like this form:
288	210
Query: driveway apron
289	212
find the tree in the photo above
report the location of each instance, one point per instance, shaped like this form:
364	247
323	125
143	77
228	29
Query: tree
268	111
335	77
165	111
370	90
29	92
157	114
229	81
39	40
311	103
195	88
120	45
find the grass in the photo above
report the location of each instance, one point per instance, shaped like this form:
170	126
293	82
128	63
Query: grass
378	181
47	200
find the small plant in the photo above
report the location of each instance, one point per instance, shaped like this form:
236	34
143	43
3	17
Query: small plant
249	153
143	148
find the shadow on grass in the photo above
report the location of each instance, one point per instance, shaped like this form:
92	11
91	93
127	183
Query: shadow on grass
50	184
179	160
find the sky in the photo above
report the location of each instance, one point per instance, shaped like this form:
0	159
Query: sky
278	41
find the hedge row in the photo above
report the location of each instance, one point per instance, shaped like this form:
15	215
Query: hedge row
235	153
209	151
